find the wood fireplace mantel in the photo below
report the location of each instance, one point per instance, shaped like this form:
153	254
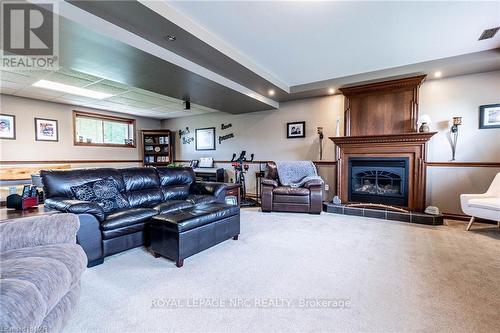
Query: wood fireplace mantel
409	145
387	138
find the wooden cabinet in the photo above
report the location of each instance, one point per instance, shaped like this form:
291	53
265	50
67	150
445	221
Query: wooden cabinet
157	147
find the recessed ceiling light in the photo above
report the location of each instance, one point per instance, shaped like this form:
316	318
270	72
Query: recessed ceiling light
438	74
331	91
70	89
170	38
271	92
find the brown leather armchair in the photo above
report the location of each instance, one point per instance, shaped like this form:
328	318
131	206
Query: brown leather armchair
305	199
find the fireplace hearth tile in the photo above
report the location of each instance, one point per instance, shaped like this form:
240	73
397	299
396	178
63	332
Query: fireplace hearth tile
396	216
353	211
375	213
337	209
426	219
384	214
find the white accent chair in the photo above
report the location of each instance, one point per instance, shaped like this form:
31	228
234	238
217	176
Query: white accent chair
486	205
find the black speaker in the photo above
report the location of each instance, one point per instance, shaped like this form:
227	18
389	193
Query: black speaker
187	105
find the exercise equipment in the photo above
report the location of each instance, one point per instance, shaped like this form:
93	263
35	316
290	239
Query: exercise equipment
240	168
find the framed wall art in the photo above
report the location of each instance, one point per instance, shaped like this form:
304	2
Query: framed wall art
489	116
296	130
7	126
205	138
46	130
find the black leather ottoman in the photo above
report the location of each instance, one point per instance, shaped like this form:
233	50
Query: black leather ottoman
180	234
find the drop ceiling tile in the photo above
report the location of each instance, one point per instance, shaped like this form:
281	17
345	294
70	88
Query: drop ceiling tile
130	102
79	99
167	98
41	92
7	91
176	115
78	75
146	98
11	85
108	104
116	84
68	79
29	94
16	77
35	73
106	88
170	106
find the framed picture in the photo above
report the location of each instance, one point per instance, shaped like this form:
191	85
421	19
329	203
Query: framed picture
296	130
489	116
7	126
205	138
46	130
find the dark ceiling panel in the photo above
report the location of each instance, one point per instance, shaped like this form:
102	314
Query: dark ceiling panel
137	18
87	51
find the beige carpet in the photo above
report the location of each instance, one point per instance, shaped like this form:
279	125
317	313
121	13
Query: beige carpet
390	277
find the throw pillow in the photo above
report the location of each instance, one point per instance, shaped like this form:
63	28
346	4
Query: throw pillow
104	192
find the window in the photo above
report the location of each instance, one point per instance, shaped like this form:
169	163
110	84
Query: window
92	129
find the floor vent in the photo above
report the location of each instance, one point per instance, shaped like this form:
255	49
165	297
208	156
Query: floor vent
489	33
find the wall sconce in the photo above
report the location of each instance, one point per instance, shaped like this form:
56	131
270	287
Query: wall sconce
457	121
321	136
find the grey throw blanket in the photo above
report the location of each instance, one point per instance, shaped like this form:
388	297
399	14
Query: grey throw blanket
296	173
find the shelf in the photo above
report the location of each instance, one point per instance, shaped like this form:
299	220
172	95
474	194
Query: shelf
152	157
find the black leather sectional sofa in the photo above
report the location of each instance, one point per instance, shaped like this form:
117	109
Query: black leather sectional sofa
115	218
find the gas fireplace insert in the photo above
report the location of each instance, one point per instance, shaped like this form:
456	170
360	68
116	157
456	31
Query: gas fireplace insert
379	180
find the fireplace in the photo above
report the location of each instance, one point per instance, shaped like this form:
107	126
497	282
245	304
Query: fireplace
381	158
380	180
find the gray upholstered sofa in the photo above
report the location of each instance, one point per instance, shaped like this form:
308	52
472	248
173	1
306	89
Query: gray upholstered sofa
41	266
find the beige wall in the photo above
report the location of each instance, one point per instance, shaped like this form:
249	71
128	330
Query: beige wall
26	148
264	134
460	96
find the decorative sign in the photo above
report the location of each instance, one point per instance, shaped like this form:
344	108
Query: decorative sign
225	137
186	141
223	127
184	132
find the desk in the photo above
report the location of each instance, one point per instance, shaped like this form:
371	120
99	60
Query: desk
210	174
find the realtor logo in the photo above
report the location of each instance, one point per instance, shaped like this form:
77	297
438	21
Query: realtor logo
29	38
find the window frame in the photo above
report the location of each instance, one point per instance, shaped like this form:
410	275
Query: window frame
98	116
